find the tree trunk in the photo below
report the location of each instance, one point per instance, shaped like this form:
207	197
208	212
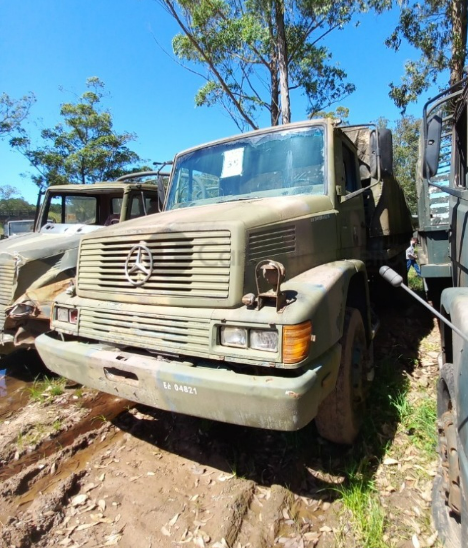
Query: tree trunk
282	62
273	68
459	26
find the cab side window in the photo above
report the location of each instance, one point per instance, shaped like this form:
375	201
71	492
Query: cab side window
350	169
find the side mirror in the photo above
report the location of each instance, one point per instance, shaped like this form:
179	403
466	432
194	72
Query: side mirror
381	145
432	147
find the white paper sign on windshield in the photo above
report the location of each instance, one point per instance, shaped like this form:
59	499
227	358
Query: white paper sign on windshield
232	162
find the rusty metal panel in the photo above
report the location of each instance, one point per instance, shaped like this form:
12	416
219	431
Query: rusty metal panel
183	264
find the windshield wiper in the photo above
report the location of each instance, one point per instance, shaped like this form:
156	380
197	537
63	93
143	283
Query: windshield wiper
237	199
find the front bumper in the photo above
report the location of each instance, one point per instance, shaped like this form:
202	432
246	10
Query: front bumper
202	390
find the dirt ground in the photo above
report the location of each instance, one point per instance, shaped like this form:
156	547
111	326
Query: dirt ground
83	468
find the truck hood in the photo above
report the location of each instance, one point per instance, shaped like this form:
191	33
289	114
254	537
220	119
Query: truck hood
252	213
53	239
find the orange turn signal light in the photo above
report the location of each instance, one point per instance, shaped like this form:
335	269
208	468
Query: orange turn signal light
296	342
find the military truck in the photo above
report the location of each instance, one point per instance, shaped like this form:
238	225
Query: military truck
448	114
247	300
433	200
451	487
35	267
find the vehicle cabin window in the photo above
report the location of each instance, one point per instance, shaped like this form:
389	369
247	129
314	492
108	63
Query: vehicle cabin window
72	209
116	206
350	169
283	163
143	203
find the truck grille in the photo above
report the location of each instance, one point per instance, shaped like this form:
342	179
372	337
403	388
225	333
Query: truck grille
184	264
164	333
7	278
272	242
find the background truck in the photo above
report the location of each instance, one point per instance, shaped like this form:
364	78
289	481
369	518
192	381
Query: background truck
247	300
433	198
35	267
450	491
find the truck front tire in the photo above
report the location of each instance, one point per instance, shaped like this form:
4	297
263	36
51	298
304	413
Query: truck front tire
340	415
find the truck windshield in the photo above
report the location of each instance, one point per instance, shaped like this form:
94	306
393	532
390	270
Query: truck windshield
280	163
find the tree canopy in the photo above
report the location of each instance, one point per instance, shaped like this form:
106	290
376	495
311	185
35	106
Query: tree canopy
405	157
13	112
84	148
438	29
255	52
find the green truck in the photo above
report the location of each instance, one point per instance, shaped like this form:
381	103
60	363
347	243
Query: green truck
444	184
433	198
450	501
246	300
35	267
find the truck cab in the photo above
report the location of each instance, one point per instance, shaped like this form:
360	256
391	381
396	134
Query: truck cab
35	267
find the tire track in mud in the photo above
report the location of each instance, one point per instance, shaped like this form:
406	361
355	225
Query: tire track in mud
102	407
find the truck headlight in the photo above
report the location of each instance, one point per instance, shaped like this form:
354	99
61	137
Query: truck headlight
234	336
68	315
262	339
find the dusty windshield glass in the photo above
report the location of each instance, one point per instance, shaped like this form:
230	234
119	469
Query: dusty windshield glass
281	163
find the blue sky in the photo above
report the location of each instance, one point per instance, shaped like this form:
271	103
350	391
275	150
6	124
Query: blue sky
50	47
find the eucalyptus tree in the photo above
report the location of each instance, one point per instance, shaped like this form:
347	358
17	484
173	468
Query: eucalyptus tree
84	148
438	29
254	53
13	112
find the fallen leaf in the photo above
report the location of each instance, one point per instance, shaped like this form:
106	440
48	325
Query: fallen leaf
225	477
173	520
84	526
78	500
390	462
415	541
326	529
165	532
198	541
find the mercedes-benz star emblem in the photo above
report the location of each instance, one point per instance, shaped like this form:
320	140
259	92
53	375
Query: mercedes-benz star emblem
139	265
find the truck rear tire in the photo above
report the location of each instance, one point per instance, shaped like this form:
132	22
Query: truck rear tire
340	415
451	523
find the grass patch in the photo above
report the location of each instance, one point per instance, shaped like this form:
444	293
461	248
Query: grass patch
415	282
360	499
419	421
46	389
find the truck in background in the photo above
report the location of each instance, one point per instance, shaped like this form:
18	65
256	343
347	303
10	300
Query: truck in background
247	300
433	200
445	139
35	267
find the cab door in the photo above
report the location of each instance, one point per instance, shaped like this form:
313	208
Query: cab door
351	222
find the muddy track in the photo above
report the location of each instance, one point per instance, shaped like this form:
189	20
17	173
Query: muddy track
115	474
